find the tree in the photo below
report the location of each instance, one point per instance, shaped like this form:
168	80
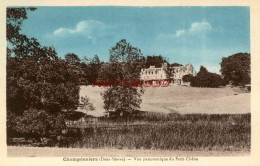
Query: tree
91	68
175	64
187	78
205	79
72	58
39	123
236	69
39	83
104	71
127	62
154	60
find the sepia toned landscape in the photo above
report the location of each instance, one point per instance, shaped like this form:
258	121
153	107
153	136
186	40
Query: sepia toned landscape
85	84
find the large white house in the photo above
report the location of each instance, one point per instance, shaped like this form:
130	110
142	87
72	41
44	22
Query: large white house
159	73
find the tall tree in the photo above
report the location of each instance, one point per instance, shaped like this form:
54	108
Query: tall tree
126	62
236	69
92	67
38	80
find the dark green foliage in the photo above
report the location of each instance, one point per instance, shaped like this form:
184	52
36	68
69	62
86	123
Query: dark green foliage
122	100
91	68
154	61
175	64
40	85
126	63
72	58
44	84
236	69
104	72
15	17
38	123
206	79
35	124
187	78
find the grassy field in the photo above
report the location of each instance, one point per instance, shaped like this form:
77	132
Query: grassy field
191	132
197	119
156	135
179	120
183	100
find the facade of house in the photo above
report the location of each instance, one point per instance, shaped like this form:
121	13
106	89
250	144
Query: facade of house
160	73
154	73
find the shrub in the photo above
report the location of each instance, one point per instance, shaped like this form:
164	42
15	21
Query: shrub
206	79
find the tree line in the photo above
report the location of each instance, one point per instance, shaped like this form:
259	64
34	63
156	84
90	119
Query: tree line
235	70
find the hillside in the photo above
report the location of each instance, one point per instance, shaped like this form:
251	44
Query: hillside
181	99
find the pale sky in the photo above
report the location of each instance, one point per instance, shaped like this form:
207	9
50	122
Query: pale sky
196	35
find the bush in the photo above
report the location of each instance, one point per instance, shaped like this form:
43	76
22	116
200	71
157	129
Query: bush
206	79
38	124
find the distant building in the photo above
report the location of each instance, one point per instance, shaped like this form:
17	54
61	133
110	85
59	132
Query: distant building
160	73
154	73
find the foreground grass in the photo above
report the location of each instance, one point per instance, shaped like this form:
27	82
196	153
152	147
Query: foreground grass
172	132
14	151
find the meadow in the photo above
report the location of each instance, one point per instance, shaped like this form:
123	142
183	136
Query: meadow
191	132
180	99
173	119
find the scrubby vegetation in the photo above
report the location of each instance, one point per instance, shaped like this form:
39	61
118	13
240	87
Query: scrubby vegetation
176	132
205	79
172	135
167	132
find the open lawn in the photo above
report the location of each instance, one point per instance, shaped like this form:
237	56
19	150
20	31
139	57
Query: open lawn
202	121
181	99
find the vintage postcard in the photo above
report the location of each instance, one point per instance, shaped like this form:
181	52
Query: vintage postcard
129	84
